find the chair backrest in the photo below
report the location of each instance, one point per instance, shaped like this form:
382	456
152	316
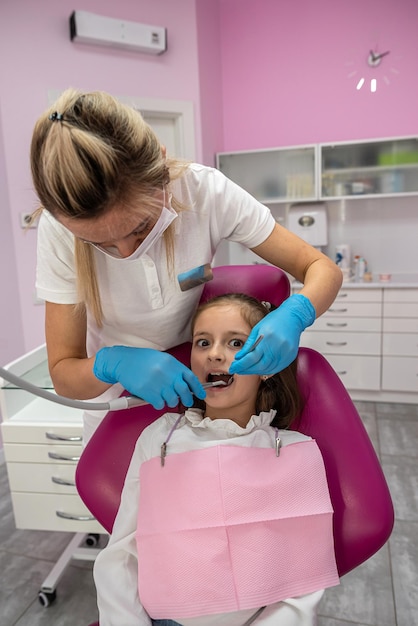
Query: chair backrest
363	510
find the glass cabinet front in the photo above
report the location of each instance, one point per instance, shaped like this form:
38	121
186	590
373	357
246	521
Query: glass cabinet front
370	168
276	175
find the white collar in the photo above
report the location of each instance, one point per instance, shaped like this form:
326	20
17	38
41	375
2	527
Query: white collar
196	420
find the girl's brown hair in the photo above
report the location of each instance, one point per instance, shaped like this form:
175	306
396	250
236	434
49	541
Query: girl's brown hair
280	391
89	154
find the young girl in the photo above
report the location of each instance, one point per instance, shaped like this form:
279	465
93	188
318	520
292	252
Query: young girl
225	515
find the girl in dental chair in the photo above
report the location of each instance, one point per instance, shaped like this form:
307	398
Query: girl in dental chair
225	516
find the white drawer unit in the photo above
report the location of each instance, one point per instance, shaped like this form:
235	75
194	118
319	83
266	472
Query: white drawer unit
400	340
42	444
349	335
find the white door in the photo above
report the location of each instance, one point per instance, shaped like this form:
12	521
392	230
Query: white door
167	131
172	121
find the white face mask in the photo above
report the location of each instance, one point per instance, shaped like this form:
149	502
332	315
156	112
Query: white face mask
167	216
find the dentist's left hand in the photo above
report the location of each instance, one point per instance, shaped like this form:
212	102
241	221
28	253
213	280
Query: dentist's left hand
281	330
156	377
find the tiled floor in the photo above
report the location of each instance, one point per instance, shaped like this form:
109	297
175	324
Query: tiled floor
382	592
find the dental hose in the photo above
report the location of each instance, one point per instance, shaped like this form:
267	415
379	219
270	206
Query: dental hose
124	402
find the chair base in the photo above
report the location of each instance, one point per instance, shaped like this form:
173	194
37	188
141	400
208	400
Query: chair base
74	550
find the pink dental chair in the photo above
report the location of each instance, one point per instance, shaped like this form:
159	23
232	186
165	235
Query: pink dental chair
363	510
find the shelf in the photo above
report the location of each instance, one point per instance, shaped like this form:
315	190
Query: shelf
371	169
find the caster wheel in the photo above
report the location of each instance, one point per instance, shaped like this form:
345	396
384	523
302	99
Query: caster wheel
92	540
46	598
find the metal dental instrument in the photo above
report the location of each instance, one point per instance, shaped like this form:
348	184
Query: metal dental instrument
256	343
218	383
123	402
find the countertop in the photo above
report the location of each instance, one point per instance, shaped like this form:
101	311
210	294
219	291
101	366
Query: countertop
397	281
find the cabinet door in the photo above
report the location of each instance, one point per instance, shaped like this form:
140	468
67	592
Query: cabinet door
400	295
28	453
347	324
402	309
385	167
363	294
342	343
395	325
277	175
400	344
357	372
42	478
354	309
44	511
400	374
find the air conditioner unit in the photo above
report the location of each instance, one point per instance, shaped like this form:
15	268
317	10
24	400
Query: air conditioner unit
106	31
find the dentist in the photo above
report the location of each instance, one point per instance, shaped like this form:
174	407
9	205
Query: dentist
121	222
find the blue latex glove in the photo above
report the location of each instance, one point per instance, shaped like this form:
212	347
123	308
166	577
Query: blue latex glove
281	330
156	377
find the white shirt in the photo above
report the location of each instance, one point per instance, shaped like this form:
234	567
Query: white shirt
115	569
142	303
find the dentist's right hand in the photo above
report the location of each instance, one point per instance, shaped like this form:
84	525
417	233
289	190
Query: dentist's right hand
156	377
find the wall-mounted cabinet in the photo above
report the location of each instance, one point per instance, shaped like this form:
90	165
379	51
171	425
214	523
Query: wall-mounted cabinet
384	167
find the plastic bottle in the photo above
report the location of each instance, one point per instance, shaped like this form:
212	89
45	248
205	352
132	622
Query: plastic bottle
356	268
362	268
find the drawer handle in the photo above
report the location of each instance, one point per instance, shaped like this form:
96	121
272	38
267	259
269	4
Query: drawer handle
338	310
342	295
337	324
55	437
62	481
63	457
336	343
342	373
79	518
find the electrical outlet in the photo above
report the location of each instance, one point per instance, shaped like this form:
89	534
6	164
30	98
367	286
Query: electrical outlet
25	221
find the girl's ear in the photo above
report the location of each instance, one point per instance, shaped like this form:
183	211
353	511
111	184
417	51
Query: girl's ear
163	151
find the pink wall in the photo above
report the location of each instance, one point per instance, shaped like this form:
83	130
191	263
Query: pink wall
10	317
36	56
285	68
210	66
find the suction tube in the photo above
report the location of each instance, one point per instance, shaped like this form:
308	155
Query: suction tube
124	402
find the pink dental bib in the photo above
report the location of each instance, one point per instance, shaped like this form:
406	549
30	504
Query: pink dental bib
227	528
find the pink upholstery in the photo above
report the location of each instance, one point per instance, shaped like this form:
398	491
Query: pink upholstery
264	282
363	517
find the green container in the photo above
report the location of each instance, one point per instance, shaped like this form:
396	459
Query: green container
398	158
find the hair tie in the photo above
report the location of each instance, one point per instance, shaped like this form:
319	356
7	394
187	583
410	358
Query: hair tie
56	117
